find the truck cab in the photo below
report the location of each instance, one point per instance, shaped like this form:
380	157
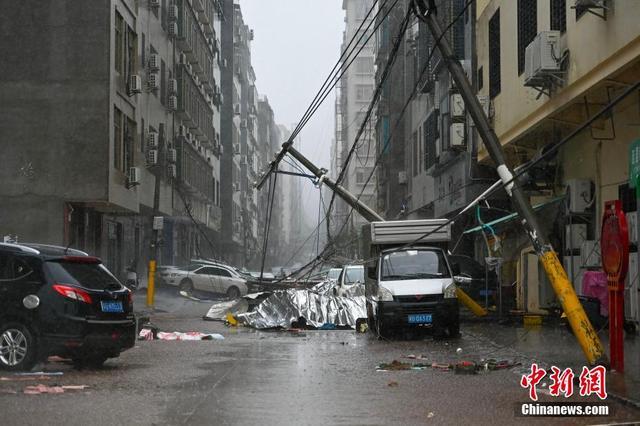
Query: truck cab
411	284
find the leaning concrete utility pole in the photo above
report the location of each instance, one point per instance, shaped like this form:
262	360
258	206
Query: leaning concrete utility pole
580	324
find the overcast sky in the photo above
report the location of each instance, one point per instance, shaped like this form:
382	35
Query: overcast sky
296	44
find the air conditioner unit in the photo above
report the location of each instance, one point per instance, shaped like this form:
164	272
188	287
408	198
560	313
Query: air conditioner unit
189	137
182	130
154	4
402	177
134	176
172	155
172	171
154	62
183	59
172	103
542	57
579	191
135	84
173	13
152	140
589	4
457	106
153	81
632	226
235	187
243	123
456	134
224	63
152	157
236	149
173	85
173	29
485	102
236	109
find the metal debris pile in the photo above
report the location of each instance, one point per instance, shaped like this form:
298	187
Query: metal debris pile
280	309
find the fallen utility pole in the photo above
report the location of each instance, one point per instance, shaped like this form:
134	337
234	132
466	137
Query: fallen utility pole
580	324
354	202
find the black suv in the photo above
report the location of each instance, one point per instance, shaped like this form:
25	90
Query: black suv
59	301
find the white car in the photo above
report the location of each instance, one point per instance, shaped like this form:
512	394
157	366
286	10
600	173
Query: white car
351	275
211	278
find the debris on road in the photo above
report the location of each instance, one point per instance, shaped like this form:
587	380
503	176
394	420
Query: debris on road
23	379
191	335
281	308
40	373
396	365
461	367
392	384
148	334
220	310
44	389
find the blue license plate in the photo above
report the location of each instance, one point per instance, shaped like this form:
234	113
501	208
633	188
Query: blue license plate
111	306
420	319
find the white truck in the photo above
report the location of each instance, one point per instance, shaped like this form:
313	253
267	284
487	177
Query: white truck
411	283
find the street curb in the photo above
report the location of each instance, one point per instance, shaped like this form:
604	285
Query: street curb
624	400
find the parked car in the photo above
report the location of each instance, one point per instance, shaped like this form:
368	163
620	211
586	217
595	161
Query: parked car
334	274
349	276
59	301
214	278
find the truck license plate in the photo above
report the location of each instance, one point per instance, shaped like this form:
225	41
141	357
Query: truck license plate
420	319
111	306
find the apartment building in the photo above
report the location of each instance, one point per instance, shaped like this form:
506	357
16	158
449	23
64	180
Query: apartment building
547	67
353	98
102	132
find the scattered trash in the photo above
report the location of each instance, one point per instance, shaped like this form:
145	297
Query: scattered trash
430	415
41	373
40	389
459	351
8	391
191	335
328	326
219	310
396	365
392	384
361	325
465	367
56	358
146	334
23	379
412	356
441	366
231	320
191	297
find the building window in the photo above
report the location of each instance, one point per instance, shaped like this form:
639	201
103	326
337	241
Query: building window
142	52
119	54
163	82
416	154
142	136
117	139
480	78
458	30
364	65
559	15
364	92
430	136
527	28
494	55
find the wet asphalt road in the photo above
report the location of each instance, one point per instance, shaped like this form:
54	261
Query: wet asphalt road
282	378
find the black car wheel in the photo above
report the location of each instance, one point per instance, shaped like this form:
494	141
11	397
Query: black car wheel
17	347
233	293
187	286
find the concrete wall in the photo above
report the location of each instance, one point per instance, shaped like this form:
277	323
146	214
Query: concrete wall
54	107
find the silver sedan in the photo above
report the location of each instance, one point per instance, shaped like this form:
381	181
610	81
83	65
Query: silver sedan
210	278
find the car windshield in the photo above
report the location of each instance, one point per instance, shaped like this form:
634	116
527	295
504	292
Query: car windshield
353	275
93	276
414	264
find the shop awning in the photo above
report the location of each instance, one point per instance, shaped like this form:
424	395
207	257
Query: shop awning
512	216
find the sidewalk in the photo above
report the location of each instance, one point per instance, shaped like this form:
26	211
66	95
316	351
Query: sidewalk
555	345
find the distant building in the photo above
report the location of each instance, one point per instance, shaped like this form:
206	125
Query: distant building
102	132
353	98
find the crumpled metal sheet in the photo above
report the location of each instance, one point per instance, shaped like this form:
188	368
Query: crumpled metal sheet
283	307
325	287
219	310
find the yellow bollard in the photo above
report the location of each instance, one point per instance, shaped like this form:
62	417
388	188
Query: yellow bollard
470	303
580	324
151	288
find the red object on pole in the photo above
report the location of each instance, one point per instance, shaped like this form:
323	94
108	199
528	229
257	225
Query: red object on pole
615	262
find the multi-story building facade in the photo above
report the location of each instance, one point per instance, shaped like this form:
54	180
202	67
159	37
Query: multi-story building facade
353	98
537	98
134	103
